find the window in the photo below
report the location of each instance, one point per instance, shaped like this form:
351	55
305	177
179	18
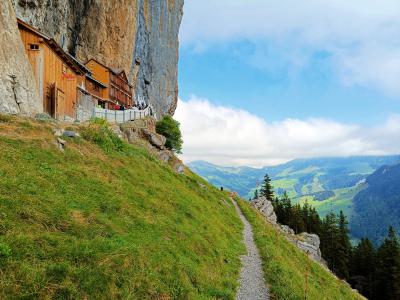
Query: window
96	87
33	47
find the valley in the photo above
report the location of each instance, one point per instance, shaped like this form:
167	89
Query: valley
328	184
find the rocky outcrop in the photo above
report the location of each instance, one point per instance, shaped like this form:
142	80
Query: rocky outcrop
266	208
140	36
309	243
18	91
143	131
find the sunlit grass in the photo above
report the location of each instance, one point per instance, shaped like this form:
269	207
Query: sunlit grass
289	272
105	222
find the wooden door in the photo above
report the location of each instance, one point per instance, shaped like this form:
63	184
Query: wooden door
60	105
49	103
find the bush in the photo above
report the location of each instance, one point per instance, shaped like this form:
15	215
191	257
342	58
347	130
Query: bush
100	133
169	128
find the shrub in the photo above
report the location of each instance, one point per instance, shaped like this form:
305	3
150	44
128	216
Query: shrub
100	133
170	128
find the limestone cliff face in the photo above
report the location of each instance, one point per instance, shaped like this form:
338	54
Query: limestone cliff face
140	36
17	84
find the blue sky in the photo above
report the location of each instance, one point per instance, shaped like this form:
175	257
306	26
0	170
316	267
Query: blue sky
334	61
278	93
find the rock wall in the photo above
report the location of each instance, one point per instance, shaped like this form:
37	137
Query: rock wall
309	243
140	36
18	92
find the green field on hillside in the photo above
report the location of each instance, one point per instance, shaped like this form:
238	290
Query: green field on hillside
290	273
116	224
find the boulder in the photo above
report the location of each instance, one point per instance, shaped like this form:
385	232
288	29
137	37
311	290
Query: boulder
71	134
266	208
155	139
286	229
309	243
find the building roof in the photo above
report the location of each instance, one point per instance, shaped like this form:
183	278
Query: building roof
76	66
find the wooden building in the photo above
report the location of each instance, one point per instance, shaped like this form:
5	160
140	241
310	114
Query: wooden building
118	91
57	73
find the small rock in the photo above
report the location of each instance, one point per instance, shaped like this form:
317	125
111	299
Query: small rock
165	155
61	144
180	169
286	229
58	132
71	134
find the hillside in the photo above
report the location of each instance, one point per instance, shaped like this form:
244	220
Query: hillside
114	224
290	273
378	206
107	220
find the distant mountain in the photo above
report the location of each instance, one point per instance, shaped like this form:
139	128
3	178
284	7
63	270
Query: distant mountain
378	206
329	184
300	177
238	179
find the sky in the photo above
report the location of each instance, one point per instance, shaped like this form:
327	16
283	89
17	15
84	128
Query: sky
263	82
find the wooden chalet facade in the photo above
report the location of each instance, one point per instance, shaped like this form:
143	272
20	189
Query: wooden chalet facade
71	90
57	74
118	91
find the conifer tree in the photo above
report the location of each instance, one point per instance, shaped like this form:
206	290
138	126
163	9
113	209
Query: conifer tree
388	268
286	209
362	268
267	190
329	233
344	248
255	194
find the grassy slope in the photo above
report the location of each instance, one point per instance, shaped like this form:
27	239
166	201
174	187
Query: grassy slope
108	225
286	266
343	200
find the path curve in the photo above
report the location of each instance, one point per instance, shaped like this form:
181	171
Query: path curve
252	284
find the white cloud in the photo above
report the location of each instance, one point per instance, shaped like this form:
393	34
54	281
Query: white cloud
229	136
361	36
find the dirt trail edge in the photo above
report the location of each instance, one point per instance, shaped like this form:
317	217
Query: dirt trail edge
252	284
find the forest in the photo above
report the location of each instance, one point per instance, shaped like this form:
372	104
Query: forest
373	270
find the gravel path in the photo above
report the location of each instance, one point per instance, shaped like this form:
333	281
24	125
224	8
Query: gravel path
252	284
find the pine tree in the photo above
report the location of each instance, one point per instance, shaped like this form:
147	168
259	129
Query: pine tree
255	194
267	189
362	268
344	248
286	209
329	233
388	268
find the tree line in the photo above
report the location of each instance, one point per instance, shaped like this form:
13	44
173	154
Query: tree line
373	271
